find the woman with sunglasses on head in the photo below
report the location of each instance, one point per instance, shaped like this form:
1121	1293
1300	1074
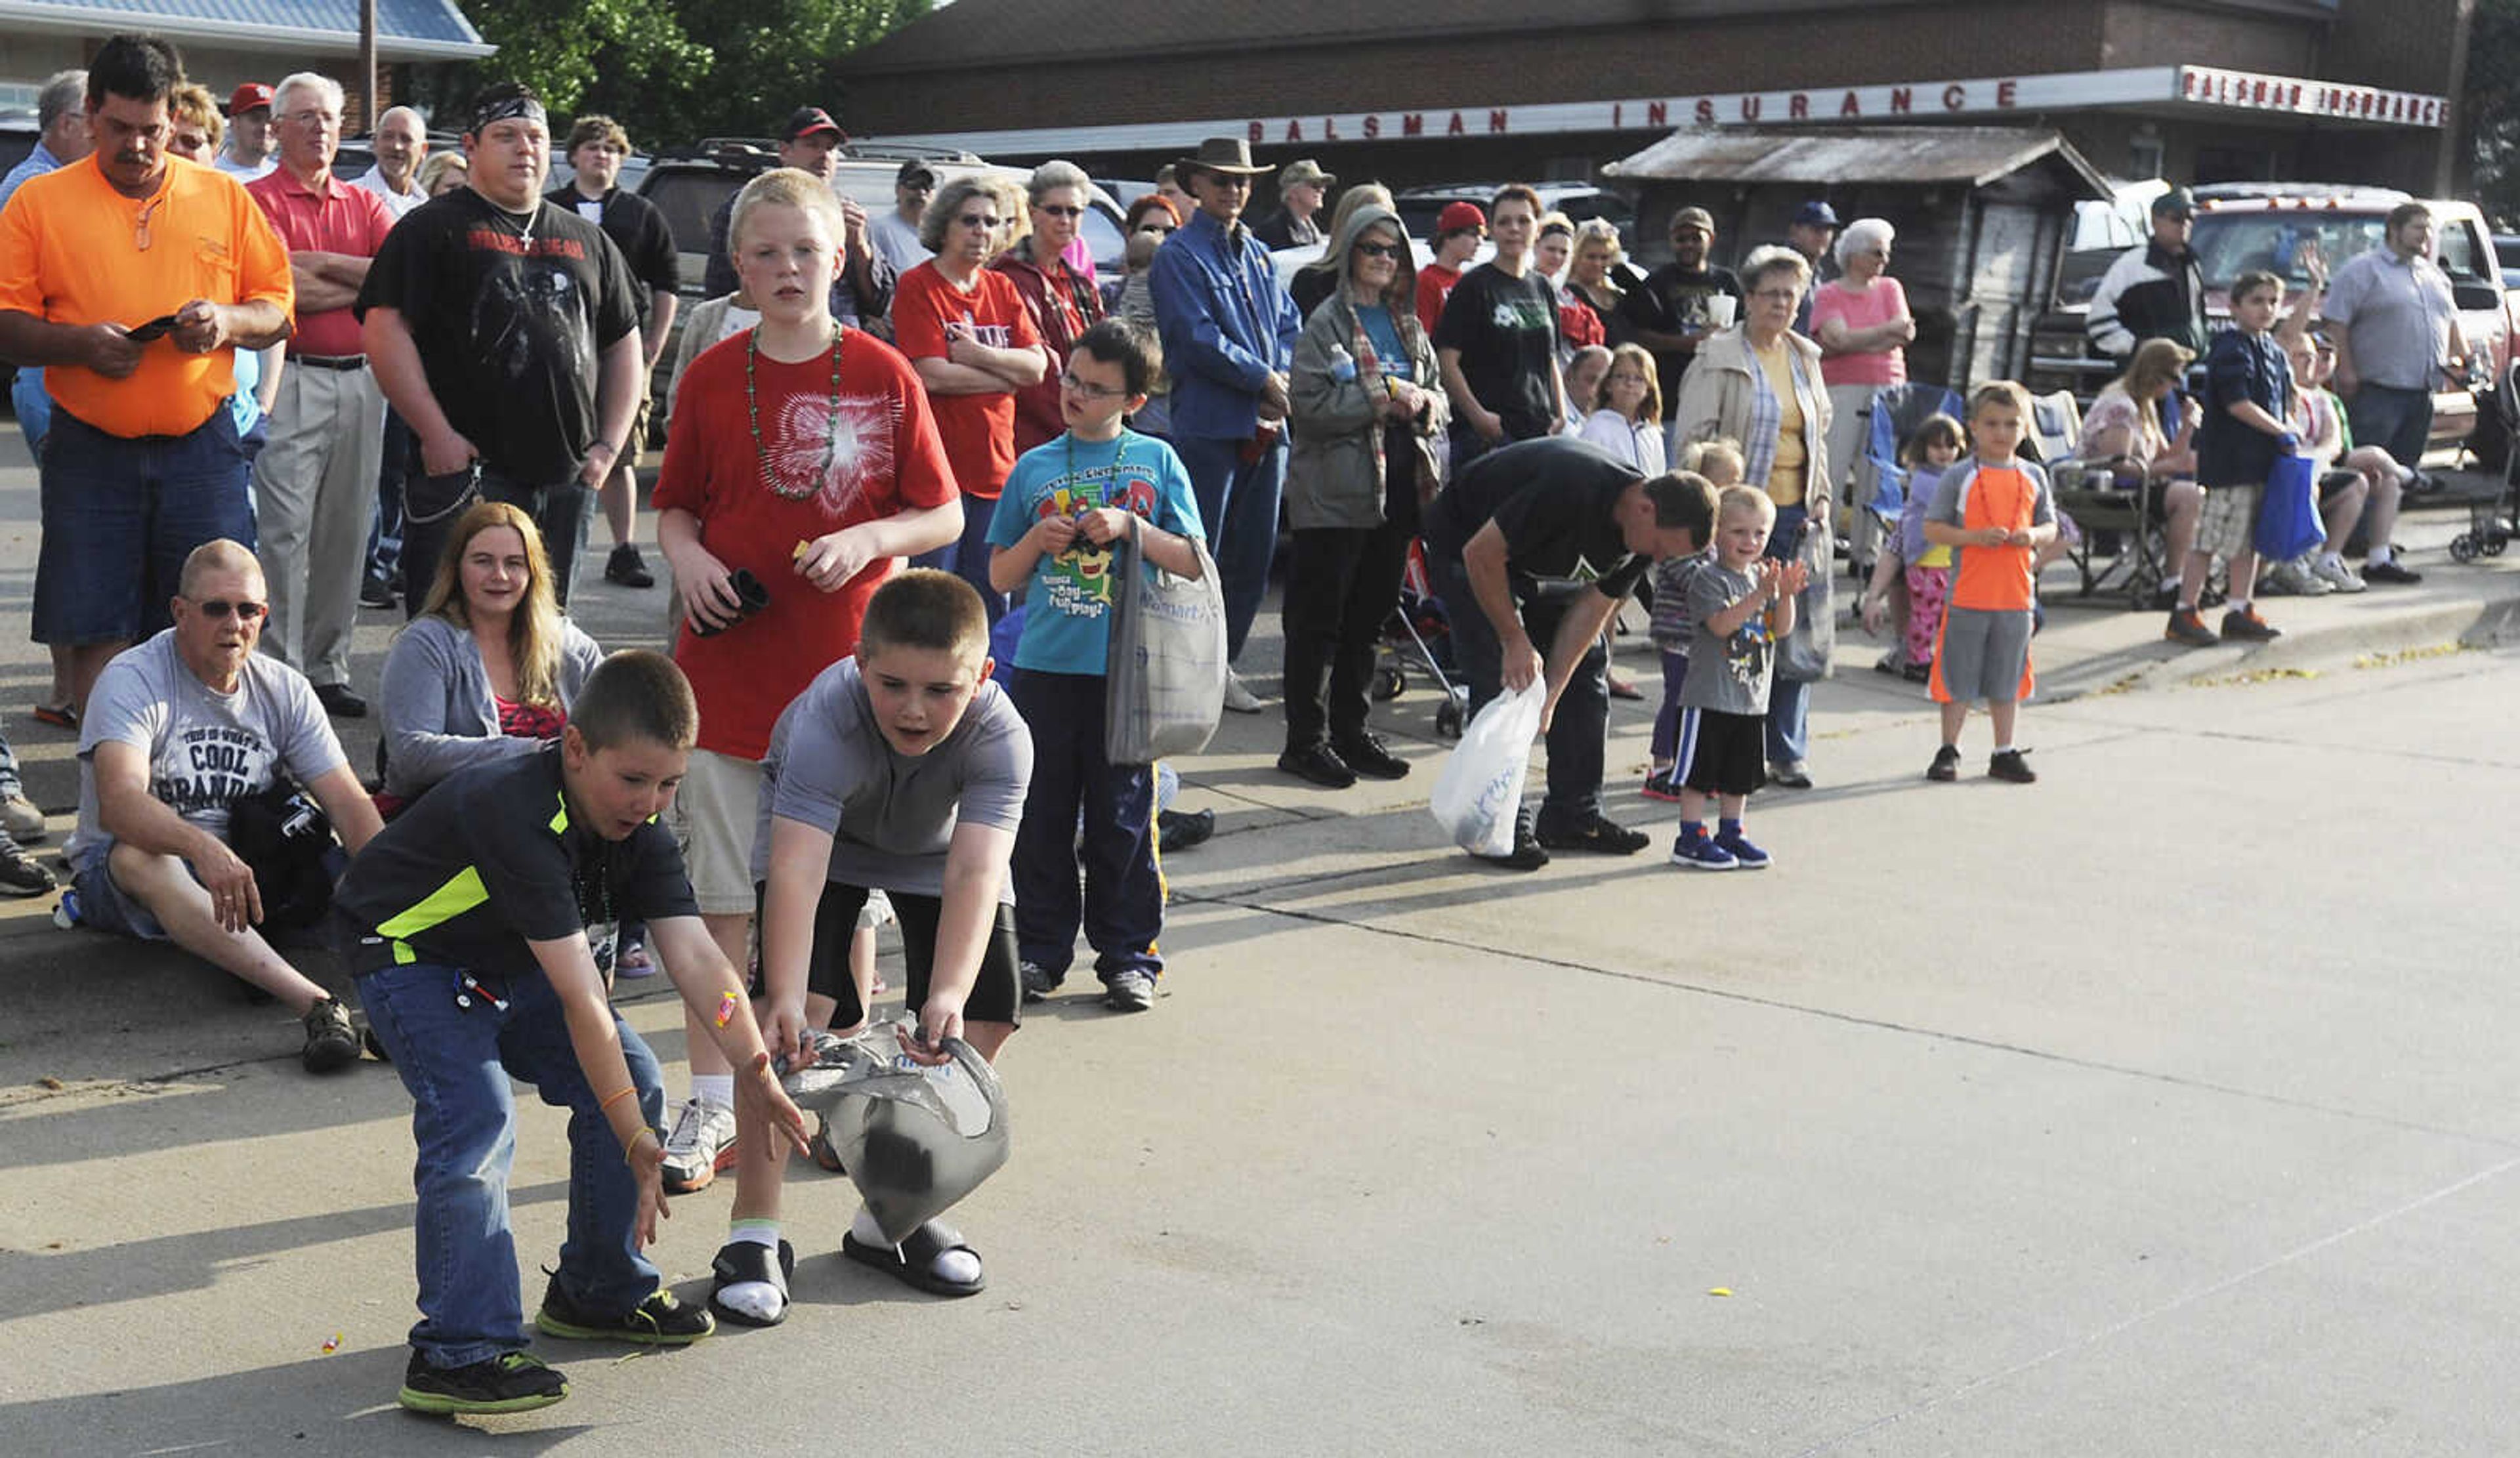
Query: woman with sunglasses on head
1062	302
966	331
1152	219
1367	406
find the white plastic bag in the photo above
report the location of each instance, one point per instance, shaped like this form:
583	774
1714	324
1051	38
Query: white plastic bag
1165	683
1478	794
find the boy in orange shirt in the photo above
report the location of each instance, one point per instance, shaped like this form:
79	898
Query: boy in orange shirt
1993	510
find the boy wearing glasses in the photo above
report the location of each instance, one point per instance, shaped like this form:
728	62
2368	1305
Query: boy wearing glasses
180	730
1066	505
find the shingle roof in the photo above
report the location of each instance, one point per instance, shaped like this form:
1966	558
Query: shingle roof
1973	154
406	30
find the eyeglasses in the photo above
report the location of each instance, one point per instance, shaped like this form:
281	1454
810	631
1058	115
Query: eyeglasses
1776	295
1378	250
313	117
972	220
1067	381
221	607
1058	211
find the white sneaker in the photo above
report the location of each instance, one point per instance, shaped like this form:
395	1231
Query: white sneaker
2338	576
1238	696
2293	578
701	1144
23	820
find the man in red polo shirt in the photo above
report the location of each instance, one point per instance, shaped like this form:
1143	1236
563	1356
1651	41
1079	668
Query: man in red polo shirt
315	484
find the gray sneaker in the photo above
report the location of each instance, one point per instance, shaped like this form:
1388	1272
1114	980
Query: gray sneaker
2297	579
23	820
330	1044
701	1144
1130	990
1039	982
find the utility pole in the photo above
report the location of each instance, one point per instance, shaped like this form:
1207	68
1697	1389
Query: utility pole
368	64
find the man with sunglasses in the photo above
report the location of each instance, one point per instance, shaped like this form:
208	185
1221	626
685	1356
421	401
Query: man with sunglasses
183	732
1229	331
130	280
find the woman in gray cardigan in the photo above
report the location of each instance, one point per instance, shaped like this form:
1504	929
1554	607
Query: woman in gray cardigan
489	667
1367	406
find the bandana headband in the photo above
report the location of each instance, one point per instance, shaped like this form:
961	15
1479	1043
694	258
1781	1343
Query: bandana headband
507	108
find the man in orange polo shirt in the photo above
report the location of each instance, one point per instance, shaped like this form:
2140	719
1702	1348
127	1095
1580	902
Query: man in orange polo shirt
315	484
128	278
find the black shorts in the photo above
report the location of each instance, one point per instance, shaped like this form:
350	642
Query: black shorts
997	996
1722	754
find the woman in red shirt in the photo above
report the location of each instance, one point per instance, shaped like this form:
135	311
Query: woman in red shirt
967	334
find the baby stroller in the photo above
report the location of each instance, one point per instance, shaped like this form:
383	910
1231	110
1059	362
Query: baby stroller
1881	481
2491	522
1418	636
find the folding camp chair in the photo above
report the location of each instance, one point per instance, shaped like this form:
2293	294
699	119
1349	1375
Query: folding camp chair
1881	481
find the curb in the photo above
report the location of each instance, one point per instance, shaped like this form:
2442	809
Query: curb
2476	623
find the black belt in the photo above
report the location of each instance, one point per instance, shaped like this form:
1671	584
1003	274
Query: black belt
331	360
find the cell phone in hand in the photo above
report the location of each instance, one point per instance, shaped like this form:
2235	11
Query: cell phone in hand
156	329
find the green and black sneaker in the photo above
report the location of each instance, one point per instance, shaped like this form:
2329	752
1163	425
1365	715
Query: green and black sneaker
658	1321
510	1382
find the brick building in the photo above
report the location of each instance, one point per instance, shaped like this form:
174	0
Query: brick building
2196	90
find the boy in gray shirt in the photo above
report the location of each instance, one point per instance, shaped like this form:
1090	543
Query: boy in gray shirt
1740	604
902	769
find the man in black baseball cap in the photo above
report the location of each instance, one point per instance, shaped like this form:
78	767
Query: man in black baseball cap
810	140
896	233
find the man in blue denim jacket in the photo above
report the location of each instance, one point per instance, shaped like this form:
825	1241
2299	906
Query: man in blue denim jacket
1229	332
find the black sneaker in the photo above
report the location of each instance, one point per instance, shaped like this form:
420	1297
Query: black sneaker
1177	830
2164	597
1597	833
2242	623
627	568
658	1321
2391	571
1946	766
19	875
1319	764
2010	767
330	1044
1369	756
375	592
510	1382
1526	853
2187	627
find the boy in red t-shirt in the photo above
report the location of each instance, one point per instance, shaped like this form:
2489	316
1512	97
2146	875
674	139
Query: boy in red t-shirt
1994	512
801	460
972	341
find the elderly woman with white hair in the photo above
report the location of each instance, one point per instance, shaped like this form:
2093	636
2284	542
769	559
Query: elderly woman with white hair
1062	301
1863	327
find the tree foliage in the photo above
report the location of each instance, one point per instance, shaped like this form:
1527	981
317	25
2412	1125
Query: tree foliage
674	71
2493	107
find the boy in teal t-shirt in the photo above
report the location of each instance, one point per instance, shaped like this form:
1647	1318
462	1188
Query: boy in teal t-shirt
1066	504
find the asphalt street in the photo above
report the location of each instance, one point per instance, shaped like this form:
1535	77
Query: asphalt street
2162	1107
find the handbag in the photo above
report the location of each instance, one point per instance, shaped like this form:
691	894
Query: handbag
1163	685
1803	657
2288	523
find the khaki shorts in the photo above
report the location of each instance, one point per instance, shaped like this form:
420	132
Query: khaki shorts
2227	526
714	817
634	450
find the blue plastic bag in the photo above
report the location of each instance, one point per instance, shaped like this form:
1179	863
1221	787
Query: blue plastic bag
2288	523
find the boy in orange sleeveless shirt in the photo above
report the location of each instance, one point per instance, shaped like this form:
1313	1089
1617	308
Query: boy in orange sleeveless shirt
1994	512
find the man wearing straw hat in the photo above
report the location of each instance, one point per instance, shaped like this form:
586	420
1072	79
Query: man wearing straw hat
1229	332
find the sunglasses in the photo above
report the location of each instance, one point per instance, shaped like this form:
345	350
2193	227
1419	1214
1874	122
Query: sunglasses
1165	228
1378	250
972	220
1060	212
221	607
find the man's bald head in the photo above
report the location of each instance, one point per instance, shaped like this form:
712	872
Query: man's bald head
215	556
401	140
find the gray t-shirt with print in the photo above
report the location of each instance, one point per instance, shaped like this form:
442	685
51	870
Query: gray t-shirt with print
890	814
1728	675
207	750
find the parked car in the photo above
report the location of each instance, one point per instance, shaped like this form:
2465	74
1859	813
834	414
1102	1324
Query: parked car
1579	201
2243	226
2506	253
689	190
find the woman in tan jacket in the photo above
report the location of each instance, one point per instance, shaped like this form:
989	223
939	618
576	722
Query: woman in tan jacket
1759	384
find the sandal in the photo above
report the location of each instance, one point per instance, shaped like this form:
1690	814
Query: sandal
742	1260
913	1262
59	715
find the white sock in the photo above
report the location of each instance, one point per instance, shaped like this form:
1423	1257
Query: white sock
2003	749
2240	606
758	1300
959	1266
714	1089
2379	554
2331	559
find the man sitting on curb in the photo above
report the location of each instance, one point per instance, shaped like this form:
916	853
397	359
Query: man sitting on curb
180	730
1540	542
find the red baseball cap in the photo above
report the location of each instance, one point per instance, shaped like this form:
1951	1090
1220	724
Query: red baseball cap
804	121
252	96
1460	217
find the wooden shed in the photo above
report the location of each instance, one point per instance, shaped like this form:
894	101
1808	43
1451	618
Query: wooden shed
1984	216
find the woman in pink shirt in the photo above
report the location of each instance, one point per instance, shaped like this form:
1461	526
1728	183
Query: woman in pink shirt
1863	327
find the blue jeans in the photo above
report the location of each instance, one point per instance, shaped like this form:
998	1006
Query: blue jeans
384	533
1238	506
560	512
457	1062
968	558
1074	789
34	407
2398	421
120	514
1789	701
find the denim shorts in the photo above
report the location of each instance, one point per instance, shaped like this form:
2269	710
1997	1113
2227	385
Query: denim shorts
120	514
102	907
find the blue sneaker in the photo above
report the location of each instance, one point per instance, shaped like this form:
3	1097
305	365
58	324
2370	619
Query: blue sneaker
1745	856
1701	854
